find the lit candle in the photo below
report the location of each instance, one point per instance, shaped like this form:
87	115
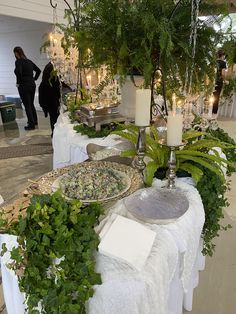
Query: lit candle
99	78
174	129
142	111
210	106
51	40
88	77
174	103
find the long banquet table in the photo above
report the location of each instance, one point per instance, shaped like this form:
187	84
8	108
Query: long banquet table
69	147
227	107
163	286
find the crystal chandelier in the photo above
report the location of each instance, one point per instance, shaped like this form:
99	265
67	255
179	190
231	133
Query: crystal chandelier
65	62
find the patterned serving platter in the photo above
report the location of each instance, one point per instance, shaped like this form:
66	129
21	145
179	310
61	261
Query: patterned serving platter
43	185
90	184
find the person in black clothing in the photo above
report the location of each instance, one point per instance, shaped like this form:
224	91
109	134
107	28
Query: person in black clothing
220	79
49	94
25	81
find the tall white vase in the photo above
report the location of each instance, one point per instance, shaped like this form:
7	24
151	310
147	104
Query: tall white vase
128	95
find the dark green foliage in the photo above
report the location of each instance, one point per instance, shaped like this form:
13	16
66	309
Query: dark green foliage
55	228
143	36
229	152
212	191
92	133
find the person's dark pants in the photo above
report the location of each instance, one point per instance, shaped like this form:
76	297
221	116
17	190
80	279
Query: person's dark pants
216	95
27	93
53	118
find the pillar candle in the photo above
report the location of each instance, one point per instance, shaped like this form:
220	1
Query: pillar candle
89	80
142	110
174	129
210	106
174	103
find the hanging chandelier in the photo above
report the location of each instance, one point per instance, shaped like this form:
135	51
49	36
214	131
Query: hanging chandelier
64	61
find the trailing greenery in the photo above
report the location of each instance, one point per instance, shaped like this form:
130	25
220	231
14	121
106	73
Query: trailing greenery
211	185
55	261
212	191
228	89
195	160
92	133
230	152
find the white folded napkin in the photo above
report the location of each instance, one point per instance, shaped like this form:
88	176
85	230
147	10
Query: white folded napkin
128	241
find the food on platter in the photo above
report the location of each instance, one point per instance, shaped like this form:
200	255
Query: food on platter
90	184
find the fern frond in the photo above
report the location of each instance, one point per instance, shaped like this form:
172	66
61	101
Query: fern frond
127	135
209	143
220	161
195	172
189	135
128	153
205	163
149	172
154	133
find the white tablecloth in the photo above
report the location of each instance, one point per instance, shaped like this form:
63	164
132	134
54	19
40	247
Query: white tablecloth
163	286
69	147
227	107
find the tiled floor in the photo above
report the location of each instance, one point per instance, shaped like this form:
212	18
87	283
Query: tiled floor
15	172
216	292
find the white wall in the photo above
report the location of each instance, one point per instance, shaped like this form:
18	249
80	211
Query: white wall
28	35
24	23
39	10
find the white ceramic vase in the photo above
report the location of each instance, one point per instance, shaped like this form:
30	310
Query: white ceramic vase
128	96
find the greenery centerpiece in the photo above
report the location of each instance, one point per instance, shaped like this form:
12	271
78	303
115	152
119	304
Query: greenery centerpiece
200	159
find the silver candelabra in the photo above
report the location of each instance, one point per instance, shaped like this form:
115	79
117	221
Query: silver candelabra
138	161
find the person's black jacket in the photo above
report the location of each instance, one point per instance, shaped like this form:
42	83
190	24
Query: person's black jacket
24	71
49	90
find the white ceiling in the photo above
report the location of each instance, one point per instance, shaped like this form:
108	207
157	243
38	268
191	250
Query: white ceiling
10	24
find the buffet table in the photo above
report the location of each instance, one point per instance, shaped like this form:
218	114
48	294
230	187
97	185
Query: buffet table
227	107
163	286
69	147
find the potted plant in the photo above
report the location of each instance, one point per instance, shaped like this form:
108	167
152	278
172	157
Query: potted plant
151	38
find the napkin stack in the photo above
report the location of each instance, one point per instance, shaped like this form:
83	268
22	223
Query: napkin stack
128	241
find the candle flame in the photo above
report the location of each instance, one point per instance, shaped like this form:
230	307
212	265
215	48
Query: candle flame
211	99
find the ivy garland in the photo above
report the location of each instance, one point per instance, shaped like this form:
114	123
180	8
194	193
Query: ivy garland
55	260
215	204
212	191
92	133
230	152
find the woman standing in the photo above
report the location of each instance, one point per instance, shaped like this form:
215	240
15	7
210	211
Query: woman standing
25	81
49	94
220	79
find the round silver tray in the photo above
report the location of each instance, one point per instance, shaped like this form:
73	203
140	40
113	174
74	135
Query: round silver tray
157	205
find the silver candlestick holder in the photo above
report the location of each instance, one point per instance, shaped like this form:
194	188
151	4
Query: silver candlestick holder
172	165
138	161
174	194
172	168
